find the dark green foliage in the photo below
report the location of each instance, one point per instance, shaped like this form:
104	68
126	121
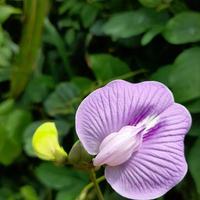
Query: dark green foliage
68	49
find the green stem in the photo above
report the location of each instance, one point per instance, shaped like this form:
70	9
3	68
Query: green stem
96	185
26	61
85	190
90	185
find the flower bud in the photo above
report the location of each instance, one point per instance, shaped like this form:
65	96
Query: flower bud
79	157
45	143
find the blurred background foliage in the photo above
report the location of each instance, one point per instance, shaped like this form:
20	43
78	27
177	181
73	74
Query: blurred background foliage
54	53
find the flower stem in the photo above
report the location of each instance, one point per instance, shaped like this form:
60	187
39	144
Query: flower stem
85	190
96	185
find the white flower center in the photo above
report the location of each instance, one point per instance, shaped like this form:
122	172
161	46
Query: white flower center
118	147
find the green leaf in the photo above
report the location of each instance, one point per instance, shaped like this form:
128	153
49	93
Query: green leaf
9	149
70	193
84	84
194	106
27	137
106	67
70	36
179	6
28	193
12	124
184	78
194	163
183	28
3	140
16	123
57	177
7	50
6	106
6	11
52	37
5	193
195	129
88	14
162	74
149	35
72	6
60	101
132	23
151	3
63	126
4	73
97	28
69	23
38	88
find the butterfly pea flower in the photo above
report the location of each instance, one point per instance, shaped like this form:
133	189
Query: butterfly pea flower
45	143
137	132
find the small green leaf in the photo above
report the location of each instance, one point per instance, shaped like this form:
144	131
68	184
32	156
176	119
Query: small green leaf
9	148
88	14
17	121
97	28
60	101
53	37
162	74
63	126
70	36
194	163
4	73
38	88
132	23
6	11
106	67
84	84
70	193
6	106
149	35
7	50
183	28
57	177
28	193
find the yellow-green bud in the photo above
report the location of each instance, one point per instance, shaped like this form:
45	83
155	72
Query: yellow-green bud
45	143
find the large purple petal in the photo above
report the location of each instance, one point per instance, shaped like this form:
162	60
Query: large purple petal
159	164
115	105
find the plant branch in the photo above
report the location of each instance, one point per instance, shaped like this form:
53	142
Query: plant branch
96	185
25	63
85	190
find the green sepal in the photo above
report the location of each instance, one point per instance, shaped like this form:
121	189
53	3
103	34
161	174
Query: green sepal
79	157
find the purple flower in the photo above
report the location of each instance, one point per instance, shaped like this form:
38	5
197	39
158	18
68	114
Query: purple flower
137	131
